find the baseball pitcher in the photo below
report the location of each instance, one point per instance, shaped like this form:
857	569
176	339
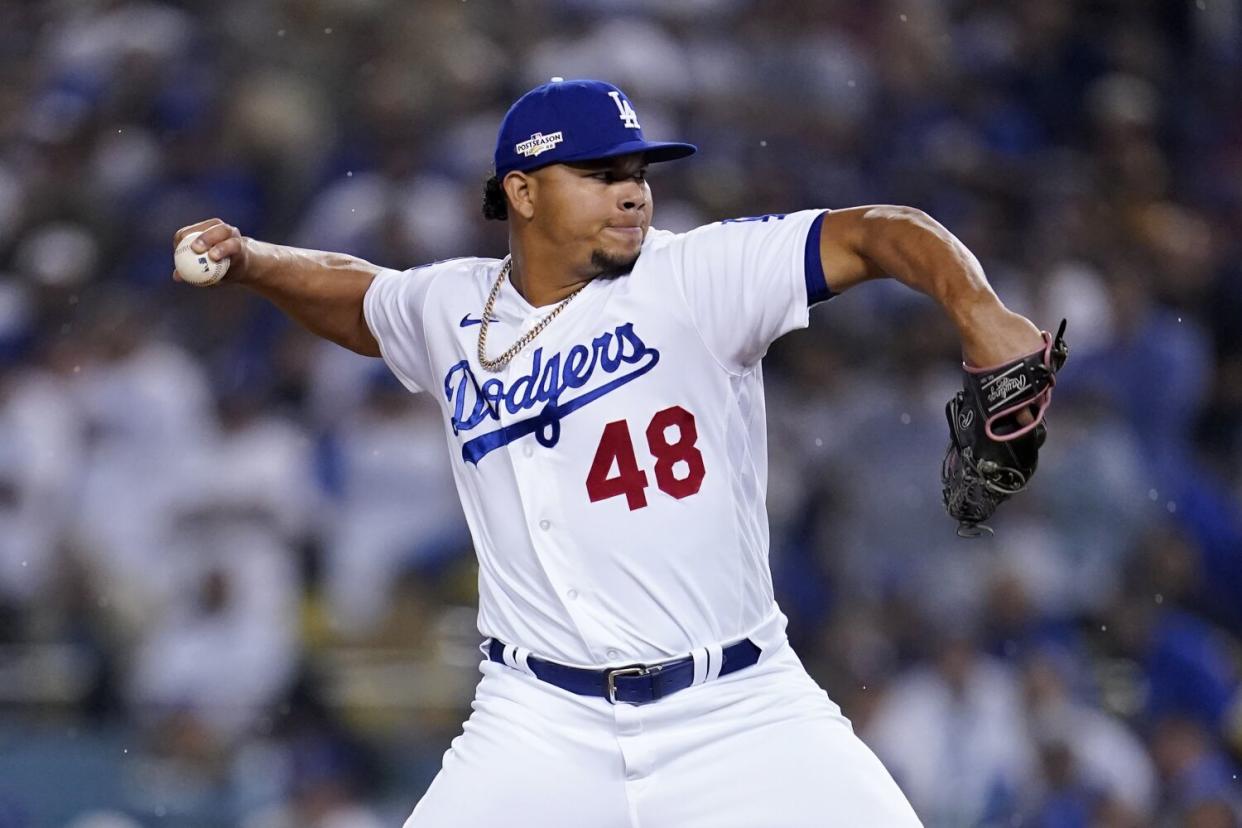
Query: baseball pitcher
602	395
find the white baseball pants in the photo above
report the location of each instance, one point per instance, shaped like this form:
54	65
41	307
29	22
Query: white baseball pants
760	748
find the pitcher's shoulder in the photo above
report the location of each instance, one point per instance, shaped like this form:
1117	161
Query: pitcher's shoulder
463	272
466	267
427	285
665	243
657	239
657	252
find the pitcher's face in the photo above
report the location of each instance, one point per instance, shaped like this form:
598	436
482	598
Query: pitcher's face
598	210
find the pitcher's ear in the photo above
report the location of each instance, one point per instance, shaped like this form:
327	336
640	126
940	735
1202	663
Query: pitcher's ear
521	188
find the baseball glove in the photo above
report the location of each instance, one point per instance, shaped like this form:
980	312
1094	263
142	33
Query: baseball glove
991	455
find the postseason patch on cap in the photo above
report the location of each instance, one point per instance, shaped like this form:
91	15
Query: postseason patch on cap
538	144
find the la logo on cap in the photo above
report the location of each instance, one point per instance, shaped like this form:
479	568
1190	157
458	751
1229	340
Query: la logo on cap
628	115
538	144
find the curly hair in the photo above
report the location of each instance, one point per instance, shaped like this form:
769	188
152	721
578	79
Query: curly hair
495	204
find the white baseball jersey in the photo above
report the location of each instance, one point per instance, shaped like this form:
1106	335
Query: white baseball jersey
613	474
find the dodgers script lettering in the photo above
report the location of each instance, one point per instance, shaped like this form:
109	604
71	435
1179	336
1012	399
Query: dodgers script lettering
621	355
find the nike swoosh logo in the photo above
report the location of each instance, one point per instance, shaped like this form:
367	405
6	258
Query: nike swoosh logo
466	321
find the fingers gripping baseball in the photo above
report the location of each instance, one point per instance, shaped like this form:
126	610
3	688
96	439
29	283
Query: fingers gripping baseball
217	241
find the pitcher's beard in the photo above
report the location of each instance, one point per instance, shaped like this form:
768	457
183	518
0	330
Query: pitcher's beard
611	266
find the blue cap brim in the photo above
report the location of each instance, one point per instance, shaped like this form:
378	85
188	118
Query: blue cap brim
653	151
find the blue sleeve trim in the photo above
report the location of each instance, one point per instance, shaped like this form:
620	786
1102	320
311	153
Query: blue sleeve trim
816	285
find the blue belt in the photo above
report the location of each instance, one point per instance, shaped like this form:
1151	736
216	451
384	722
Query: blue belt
635	683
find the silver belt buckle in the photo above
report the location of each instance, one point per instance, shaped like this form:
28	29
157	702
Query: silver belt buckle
611	678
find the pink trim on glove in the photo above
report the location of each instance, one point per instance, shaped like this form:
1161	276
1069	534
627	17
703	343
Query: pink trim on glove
1041	400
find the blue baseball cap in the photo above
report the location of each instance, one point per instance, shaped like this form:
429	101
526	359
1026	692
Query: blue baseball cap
576	120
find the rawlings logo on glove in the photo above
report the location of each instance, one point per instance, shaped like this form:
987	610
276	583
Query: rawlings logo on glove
1004	389
991	454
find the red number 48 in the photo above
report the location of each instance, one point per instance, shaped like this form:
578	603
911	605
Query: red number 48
616	449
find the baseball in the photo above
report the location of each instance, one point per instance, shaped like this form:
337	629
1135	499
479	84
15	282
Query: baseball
197	268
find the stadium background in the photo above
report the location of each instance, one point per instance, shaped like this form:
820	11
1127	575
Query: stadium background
235	587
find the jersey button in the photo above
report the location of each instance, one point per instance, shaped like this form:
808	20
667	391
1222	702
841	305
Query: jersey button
545	524
613	655
527	450
572	595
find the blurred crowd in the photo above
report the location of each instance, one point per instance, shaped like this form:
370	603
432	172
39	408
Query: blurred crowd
235	584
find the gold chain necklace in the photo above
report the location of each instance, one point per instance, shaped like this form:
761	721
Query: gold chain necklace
498	364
